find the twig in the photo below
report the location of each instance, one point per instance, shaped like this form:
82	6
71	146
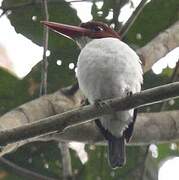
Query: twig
17	169
88	113
44	71
66	161
132	19
116	12
27	174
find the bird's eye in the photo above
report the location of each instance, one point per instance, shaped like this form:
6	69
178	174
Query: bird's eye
97	29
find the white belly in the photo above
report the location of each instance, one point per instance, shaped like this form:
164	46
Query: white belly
108	68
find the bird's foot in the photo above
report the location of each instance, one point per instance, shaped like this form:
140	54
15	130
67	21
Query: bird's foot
84	102
103	106
129	93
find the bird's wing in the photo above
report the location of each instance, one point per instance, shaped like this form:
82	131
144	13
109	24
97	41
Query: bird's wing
129	130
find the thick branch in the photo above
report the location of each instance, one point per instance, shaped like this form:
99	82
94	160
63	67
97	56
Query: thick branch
39	108
84	114
159	46
159	127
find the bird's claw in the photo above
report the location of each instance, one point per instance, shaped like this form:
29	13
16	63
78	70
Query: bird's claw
129	93
101	104
84	102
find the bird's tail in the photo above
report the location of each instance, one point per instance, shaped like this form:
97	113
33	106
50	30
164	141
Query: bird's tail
116	151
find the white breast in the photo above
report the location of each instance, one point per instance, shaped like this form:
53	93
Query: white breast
107	68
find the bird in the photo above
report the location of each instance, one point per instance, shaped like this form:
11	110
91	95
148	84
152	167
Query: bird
106	68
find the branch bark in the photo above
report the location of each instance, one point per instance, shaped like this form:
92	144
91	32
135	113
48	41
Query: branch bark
39	108
159	46
59	122
159	127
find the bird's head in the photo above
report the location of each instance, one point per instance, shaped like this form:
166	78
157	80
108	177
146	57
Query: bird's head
83	33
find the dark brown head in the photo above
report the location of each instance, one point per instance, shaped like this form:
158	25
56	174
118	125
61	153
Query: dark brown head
99	30
91	29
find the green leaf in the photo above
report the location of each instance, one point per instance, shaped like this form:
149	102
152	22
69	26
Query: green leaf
155	17
60	47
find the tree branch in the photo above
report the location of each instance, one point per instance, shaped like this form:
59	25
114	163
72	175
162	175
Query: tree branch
44	63
159	46
132	19
66	161
60	122
149	128
22	172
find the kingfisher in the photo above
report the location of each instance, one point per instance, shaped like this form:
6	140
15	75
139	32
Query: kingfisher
106	68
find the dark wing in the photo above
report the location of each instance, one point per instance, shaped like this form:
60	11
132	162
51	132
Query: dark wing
129	130
116	147
70	91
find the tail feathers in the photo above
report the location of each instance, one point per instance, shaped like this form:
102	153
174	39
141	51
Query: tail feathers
117	152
